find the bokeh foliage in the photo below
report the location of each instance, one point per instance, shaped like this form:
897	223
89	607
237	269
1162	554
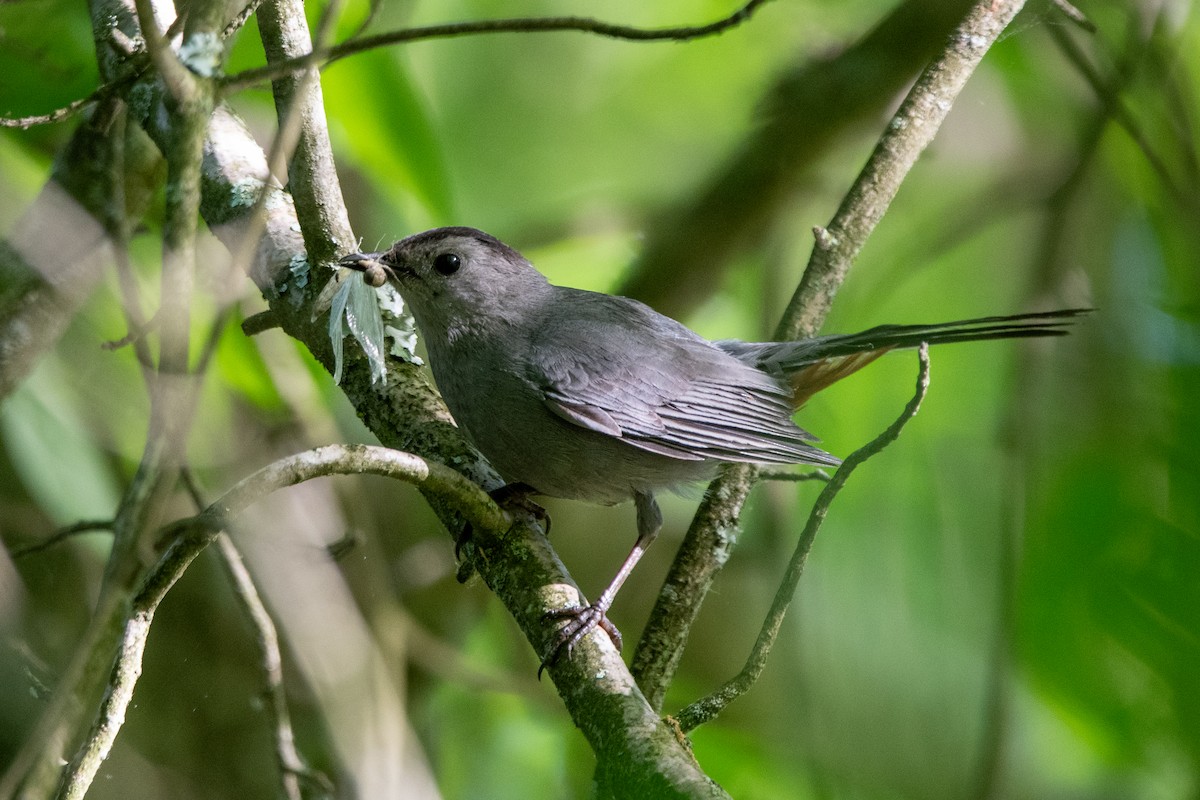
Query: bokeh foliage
1005	603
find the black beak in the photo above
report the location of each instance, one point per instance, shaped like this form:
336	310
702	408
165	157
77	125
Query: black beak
360	262
375	271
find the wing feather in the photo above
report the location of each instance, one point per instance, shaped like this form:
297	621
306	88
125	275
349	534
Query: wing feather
621	370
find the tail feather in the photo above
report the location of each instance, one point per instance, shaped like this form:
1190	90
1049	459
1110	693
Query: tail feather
825	372
810	365
1017	326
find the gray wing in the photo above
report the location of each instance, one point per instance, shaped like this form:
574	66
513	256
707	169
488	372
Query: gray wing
615	366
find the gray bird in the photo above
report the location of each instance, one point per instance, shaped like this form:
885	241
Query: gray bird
586	396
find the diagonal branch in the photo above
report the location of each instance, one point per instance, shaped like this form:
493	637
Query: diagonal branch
909	132
61	535
292	767
811	109
42	287
173	396
58	114
713	532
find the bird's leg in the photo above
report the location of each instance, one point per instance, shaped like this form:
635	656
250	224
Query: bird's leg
582	619
510	497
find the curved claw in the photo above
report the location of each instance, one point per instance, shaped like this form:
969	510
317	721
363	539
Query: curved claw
581	620
463	537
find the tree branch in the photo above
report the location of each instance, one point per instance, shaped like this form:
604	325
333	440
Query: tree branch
179	82
292	767
325	55
909	132
44	304
464	494
811	109
1108	92
241	18
58	114
713	532
61	535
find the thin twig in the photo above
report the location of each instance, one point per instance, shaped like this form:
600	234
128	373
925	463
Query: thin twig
104	91
59	113
327	55
109	88
1075	15
785	476
239	20
322	56
707	708
292	767
62	534
372	12
260	322
213	339
138	328
1181	99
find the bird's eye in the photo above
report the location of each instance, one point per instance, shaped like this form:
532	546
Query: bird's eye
447	263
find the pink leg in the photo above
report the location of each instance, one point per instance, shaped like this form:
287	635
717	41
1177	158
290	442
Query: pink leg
582	619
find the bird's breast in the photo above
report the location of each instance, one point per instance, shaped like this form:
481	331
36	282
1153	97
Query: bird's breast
503	414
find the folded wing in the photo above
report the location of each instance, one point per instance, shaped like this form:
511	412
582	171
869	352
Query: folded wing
623	371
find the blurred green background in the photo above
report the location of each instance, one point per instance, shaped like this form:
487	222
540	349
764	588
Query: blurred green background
1005	603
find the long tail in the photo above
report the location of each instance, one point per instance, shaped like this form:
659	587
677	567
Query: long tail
810	365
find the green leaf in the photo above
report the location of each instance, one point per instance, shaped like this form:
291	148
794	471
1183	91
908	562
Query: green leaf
55	456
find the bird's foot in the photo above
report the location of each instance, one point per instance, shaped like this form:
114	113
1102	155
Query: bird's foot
581	620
